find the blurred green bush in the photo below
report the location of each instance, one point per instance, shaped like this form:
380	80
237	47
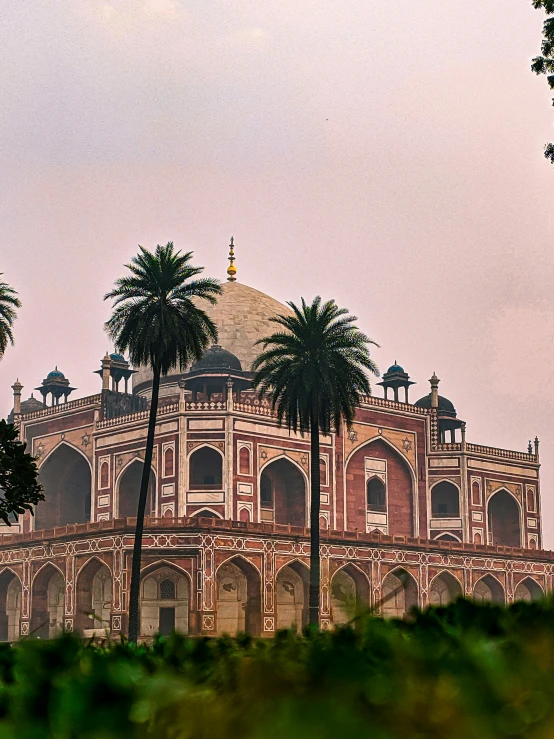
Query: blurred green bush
462	671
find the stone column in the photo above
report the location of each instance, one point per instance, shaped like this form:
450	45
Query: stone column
17	387
106	367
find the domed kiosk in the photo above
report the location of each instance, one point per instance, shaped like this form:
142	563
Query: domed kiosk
446	413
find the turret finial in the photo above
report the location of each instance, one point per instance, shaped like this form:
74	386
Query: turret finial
231	269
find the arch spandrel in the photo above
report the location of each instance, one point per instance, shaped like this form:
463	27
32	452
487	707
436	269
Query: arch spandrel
403	441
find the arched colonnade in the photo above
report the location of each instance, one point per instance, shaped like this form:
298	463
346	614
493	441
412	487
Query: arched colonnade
168	597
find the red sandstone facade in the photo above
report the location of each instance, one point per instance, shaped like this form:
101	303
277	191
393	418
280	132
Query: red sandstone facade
407	518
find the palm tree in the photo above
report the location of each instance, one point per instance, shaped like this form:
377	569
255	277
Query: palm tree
314	369
158	320
8	303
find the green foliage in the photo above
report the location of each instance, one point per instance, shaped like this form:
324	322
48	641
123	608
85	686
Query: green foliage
448	673
315	366
18	475
8	303
156	316
544	64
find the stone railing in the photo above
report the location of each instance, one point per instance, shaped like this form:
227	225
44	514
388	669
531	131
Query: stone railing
90	400
139	416
492	451
394	405
259	410
448	447
206	406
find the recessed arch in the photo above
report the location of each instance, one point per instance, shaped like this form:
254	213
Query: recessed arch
93	597
399	593
444	588
94	558
241	559
151	566
10	605
401	488
47	601
71	446
238	597
210	513
66	476
504	518
165	595
349	593
528	590
488	589
445	499
205	465
292	586
127	487
283	492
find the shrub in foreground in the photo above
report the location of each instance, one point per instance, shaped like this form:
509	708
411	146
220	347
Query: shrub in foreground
456	672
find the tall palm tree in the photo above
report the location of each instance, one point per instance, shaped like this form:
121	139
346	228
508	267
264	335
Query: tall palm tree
314	369
158	320
8	303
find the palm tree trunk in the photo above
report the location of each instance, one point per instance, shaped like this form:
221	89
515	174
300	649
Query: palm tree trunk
137	548
315	574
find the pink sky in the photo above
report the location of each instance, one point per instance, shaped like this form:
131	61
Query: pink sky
388	155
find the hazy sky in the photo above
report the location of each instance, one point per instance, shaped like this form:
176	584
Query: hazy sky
385	154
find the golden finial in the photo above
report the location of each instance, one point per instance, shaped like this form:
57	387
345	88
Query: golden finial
231	269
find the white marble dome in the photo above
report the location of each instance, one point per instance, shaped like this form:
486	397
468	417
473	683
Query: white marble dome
241	315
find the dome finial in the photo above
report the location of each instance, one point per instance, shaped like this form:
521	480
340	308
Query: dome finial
231	269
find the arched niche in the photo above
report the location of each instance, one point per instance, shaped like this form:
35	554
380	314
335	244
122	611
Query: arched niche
504	519
399	488
128	490
528	590
488	590
66	478
398	594
444	589
10	606
445	500
349	594
205	513
376	495
292	596
238	594
205	469
447	537
48	603
165	602
283	493
93	598
244	461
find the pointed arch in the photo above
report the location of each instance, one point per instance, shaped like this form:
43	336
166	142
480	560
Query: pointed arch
47	601
10	605
349	593
93	597
66	476
283	492
528	590
504	517
448	536
444	588
165	596
238	597
71	446
445	499
127	486
210	511
399	593
488	589
401	515
292	583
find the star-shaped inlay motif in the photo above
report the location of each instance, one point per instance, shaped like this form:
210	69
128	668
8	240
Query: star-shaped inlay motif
353	435
407	444
85	440
39	452
263	454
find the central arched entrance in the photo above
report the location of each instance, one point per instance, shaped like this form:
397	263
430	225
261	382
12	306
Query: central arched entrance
283	493
165	598
66	478
503	519
238	592
129	489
